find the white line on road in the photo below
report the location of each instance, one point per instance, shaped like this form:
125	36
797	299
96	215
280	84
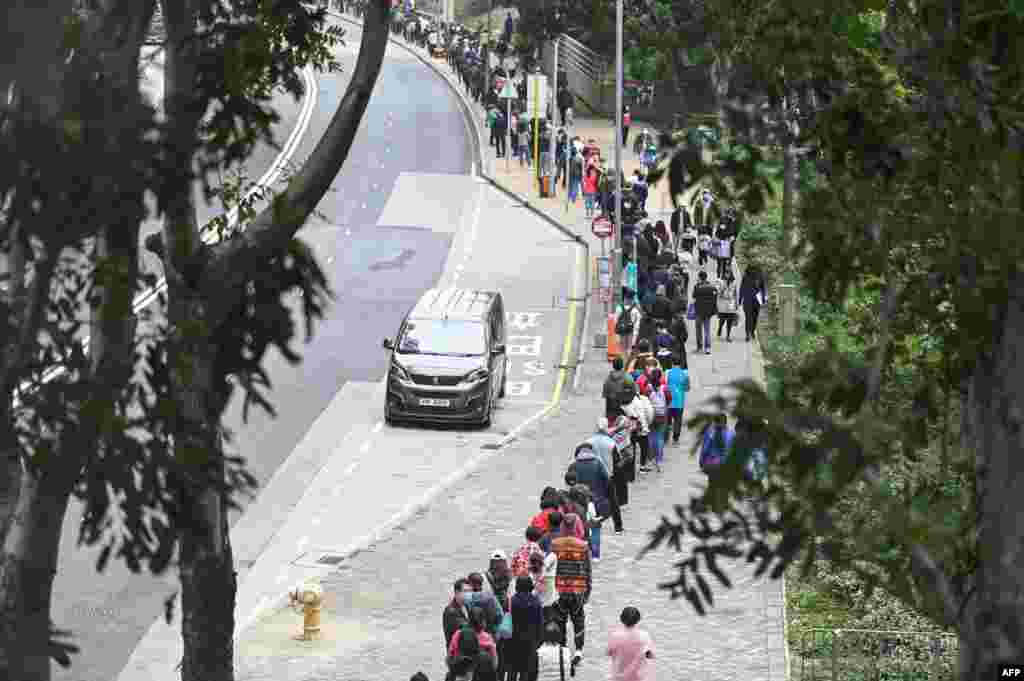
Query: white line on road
268	179
302	543
377	428
348	471
365	447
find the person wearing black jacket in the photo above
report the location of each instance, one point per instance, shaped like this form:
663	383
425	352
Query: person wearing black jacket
705	301
564	102
681	334
645	252
676	226
661	310
527	632
500	131
752	296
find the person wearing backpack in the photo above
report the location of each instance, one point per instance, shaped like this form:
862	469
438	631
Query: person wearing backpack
715	445
478	627
641	413
592	473
627	325
583	502
661	398
618	384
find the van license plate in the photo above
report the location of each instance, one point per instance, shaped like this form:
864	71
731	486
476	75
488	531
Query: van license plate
426	402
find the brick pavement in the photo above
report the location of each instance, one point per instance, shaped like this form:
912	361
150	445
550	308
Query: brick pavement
383	606
382	617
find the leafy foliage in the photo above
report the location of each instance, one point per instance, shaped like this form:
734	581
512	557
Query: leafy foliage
920	159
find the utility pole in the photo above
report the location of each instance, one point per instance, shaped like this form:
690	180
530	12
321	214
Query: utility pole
616	263
554	86
488	78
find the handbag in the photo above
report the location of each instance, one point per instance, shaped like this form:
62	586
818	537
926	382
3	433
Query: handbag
691	311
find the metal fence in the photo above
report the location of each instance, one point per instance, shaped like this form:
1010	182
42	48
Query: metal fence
874	655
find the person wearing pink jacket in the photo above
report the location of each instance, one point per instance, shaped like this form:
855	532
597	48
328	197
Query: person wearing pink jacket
631	649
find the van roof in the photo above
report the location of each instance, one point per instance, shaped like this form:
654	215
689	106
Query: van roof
453	303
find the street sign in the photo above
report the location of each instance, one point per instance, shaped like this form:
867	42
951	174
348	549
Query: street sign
507	91
602	227
536	95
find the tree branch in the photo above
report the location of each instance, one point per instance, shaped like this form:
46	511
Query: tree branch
31	319
275	226
936	579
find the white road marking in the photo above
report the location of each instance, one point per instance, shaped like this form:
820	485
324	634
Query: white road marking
348	471
377	428
365	447
269	178
302	543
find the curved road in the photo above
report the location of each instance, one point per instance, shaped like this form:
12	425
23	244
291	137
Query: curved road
412	125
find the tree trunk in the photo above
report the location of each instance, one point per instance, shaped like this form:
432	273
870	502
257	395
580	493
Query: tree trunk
27	568
208	589
206	565
994	624
789	177
790	168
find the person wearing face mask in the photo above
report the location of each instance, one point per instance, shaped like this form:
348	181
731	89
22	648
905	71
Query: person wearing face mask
455	614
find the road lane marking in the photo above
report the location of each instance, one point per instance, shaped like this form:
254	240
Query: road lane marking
348	471
302	543
269	178
365	447
377	428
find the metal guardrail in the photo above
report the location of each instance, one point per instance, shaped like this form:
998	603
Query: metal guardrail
875	655
588	62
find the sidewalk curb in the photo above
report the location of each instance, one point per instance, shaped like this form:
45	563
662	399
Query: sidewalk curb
485	172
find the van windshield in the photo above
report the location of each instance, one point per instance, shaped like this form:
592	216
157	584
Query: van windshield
442	337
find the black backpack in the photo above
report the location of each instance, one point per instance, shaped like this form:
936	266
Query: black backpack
624	325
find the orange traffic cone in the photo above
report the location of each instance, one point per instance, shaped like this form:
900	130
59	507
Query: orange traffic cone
614	350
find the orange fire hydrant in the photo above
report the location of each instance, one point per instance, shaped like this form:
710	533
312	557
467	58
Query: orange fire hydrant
310	596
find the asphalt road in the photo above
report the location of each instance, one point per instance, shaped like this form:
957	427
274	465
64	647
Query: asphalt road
412	125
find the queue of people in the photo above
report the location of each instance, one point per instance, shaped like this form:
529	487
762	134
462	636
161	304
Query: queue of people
497	621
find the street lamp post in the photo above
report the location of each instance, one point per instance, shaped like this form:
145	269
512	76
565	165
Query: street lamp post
616	264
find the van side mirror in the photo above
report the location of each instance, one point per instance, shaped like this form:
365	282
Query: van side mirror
499	349
388	345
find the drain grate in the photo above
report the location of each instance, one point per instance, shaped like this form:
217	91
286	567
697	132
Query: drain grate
330	559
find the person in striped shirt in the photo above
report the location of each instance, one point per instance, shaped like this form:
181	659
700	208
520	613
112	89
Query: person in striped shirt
573	583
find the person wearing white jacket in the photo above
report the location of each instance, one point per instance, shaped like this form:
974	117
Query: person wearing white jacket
642	410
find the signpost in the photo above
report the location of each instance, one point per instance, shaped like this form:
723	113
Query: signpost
536	86
602	229
508	93
604	279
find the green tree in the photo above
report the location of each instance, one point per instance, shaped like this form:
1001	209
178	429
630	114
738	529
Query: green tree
132	423
918	132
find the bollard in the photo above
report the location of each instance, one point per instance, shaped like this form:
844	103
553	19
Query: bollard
310	597
788	310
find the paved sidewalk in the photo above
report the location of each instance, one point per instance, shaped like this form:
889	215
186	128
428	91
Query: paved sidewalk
383	606
382	616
